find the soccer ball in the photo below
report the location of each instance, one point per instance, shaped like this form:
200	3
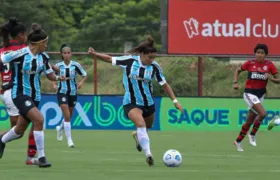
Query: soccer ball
172	158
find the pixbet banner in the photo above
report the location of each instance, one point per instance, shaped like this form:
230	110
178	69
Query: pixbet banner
222	27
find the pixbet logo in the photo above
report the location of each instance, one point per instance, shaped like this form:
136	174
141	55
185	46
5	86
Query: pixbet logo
247	28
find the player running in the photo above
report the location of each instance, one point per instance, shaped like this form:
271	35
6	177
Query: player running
18	32
28	64
254	93
138	71
67	91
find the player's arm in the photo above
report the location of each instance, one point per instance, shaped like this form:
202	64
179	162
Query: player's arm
240	69
12	56
55	68
167	88
274	78
104	57
274	74
81	71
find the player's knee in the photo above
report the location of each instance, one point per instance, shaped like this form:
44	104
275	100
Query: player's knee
38	124
149	126
262	114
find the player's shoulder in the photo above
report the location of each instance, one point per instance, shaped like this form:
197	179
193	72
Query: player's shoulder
75	63
268	62
61	63
18	53
128	57
156	64
45	55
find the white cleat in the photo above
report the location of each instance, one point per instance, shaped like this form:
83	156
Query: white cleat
59	133
252	140
70	144
238	146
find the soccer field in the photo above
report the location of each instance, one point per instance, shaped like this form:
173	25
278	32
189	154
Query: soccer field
112	155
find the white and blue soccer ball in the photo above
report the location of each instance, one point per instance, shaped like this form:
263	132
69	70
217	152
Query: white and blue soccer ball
172	158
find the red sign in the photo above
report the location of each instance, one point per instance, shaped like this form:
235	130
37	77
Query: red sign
222	27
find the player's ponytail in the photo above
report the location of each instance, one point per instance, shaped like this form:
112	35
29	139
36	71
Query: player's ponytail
12	28
145	47
37	34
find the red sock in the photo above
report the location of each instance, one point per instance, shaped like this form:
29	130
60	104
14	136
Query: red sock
32	150
243	132
255	128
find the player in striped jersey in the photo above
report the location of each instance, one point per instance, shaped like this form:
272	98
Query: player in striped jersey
18	32
139	70
67	91
28	64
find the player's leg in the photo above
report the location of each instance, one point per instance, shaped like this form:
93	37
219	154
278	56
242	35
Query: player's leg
28	109
32	149
61	99
261	113
136	115
246	126
14	133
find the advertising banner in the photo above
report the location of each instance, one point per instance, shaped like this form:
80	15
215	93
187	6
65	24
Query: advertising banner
222	27
91	112
211	114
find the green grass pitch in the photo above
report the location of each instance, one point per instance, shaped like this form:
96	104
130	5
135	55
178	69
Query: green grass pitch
106	155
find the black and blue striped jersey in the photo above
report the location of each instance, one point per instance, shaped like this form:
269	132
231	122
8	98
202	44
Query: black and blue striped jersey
69	71
137	79
26	72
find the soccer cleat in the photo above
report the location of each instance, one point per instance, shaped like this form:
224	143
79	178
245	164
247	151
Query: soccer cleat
271	123
31	161
59	133
70	144
150	160
2	146
252	140
138	146
43	163
238	146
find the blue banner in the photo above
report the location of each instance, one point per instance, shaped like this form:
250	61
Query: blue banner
92	112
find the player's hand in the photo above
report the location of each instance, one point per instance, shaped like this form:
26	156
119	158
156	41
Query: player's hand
236	86
268	76
79	85
179	107
91	51
55	86
62	78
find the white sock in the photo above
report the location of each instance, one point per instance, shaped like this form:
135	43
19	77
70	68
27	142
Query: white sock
39	139
277	122
144	140
61	125
10	135
67	129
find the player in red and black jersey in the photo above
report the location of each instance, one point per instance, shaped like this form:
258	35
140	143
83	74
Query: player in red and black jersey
255	90
18	32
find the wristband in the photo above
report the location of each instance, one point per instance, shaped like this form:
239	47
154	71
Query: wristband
175	101
57	78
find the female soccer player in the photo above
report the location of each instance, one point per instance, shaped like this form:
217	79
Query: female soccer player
138	71
28	64
18	32
67	91
254	93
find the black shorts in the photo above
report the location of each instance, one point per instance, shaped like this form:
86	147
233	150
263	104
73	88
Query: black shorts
67	99
147	110
24	104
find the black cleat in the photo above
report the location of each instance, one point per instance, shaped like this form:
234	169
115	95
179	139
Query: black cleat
43	163
138	146
150	161
2	146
